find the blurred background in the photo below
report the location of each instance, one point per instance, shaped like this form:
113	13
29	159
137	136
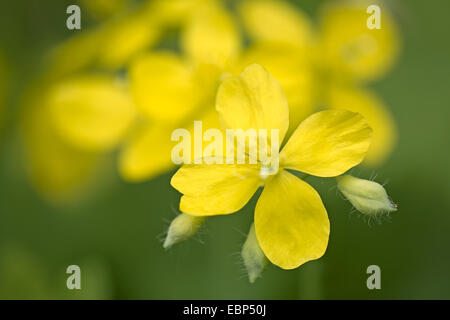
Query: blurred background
114	231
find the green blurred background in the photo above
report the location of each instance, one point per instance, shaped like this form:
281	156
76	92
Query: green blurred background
115	234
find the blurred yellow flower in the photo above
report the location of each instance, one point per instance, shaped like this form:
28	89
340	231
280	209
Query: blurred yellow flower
91	112
71	119
59	171
125	37
67	132
171	90
342	52
378	116
348	48
275	21
326	144
348	53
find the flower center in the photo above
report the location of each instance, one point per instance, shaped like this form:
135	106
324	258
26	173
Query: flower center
267	171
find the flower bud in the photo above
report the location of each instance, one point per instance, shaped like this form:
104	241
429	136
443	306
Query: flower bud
254	259
181	228
368	197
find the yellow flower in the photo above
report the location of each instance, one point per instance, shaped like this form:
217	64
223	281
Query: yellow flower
72	119
91	112
291	222
348	48
68	128
59	172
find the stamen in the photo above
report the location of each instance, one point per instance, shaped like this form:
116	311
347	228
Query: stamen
267	171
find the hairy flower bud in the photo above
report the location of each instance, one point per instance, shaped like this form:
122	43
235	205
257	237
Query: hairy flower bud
181	228
254	259
368	197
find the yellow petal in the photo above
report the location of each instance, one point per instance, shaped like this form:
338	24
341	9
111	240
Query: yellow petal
104	8
377	115
292	68
124	38
147	155
77	53
350	48
211	36
215	188
270	20
148	152
174	13
163	87
291	222
59	171
327	143
253	100
91	112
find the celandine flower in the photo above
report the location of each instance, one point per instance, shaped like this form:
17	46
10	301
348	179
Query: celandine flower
349	48
91	112
291	222
69	126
